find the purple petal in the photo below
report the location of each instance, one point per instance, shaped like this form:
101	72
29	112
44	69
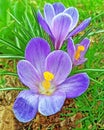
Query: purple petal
85	42
58	7
26	106
60	28
36	52
49	105
43	23
80	28
75	85
71	48
79	62
49	13
28	74
73	12
59	63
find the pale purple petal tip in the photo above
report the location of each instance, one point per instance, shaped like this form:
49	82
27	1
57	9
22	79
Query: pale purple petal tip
73	12
26	106
49	105
58	7
49	13
75	85
43	23
60	28
80	28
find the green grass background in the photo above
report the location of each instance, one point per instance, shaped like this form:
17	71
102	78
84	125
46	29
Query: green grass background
18	25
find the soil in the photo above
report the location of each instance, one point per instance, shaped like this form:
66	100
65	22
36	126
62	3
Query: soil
59	121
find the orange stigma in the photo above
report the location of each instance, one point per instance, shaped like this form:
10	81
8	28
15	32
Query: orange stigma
78	51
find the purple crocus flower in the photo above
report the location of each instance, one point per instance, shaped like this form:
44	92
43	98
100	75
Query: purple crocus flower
59	22
45	73
78	51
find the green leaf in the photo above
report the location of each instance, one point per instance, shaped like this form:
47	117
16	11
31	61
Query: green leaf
94	70
11	45
8	73
96	81
96	32
10	88
35	18
29	24
96	17
11	56
21	25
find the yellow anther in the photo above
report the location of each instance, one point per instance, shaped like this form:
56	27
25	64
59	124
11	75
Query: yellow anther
78	52
46	84
81	48
48	76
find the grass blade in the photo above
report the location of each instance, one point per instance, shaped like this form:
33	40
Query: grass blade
35	17
8	73
11	56
29	24
11	45
10	88
22	26
94	70
96	81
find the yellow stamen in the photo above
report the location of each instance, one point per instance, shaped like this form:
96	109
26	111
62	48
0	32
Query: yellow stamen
46	84
78	51
48	76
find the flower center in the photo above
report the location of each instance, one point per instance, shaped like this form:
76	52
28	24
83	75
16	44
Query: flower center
48	77
78	51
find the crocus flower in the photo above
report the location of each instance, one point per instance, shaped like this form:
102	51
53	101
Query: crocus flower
78	51
45	73
59	22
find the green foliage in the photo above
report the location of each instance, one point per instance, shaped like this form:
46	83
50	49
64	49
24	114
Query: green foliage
18	24
21	26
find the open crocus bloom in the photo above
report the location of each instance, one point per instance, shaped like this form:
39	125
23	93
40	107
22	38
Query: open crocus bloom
78	51
59	22
45	73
